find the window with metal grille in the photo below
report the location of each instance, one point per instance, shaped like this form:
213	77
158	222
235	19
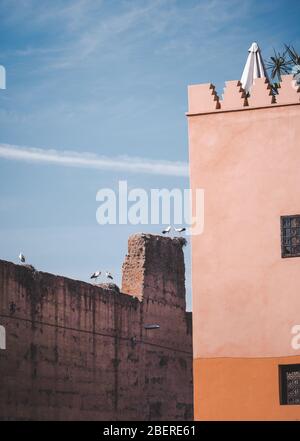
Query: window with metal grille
289	383
290	236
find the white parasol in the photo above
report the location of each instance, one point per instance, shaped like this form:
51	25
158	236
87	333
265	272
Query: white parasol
254	68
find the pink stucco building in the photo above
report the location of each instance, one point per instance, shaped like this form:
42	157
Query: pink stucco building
245	154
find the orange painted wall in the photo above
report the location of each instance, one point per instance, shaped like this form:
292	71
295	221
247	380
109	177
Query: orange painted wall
245	296
237	389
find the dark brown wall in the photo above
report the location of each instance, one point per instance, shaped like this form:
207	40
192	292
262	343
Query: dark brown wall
75	351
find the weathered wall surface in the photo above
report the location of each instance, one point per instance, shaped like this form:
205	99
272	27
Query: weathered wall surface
75	351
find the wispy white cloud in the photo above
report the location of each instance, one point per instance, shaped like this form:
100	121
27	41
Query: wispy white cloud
103	35
92	161
85	29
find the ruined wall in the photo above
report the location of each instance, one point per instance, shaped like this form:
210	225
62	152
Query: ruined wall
75	351
244	153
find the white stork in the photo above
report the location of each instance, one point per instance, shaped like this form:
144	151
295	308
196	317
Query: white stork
180	229
108	275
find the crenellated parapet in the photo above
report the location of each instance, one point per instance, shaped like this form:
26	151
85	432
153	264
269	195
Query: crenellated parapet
261	94
234	96
203	98
288	91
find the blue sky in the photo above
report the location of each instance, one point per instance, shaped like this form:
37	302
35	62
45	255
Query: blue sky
109	78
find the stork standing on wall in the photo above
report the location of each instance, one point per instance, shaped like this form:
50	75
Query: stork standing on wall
95	275
180	229
108	275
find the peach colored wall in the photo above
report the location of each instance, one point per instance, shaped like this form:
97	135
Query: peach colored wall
245	296
245	154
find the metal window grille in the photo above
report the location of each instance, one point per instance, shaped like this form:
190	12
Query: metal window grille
290	236
289	384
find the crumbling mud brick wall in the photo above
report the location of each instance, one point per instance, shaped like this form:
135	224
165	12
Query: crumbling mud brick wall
76	351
